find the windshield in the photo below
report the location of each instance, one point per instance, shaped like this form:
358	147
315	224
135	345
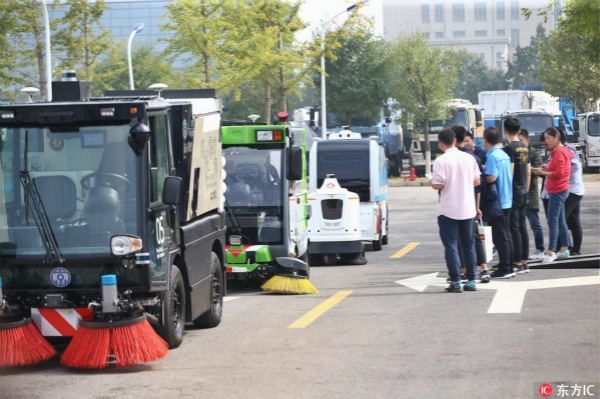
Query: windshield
255	191
457	117
85	180
594	123
349	167
535	124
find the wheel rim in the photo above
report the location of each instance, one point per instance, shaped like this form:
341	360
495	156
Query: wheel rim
177	309
216	292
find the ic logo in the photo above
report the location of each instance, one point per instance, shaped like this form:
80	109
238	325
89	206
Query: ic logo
60	277
545	390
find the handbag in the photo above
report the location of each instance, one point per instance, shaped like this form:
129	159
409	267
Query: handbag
485	233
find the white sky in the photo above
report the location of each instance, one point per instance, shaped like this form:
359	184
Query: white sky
317	12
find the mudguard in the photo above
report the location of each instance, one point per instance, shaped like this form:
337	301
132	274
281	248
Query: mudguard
291	263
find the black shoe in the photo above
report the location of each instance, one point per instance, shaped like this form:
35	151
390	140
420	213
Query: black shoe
526	268
518	269
485	276
501	274
463	279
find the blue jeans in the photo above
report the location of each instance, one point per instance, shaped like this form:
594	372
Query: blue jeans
557	224
450	230
536	227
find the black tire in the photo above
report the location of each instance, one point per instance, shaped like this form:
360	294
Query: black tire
173	308
212	317
395	165
377	245
385	240
584	166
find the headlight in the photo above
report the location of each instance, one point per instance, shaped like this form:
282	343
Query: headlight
124	245
592	150
235	241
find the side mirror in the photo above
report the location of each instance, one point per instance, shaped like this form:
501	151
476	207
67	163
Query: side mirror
388	119
576	125
172	190
293	164
478	117
561	123
139	136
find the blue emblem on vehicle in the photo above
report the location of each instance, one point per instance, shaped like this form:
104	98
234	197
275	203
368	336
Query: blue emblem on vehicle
60	277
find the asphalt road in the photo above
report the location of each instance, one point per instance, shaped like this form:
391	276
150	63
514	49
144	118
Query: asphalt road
380	339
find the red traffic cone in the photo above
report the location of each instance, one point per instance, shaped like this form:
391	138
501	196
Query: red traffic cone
21	344
131	341
413	174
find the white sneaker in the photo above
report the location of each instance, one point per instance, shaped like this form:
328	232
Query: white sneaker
549	258
563	255
537	255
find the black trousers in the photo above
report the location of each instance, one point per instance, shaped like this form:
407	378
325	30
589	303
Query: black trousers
518	228
502	240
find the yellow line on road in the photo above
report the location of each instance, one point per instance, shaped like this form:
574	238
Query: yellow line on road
316	312
405	250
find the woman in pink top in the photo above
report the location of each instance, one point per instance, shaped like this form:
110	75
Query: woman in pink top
557	175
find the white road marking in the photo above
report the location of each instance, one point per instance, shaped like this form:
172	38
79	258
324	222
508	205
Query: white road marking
510	294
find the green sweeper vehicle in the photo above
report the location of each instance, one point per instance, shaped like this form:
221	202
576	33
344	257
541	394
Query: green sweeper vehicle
266	204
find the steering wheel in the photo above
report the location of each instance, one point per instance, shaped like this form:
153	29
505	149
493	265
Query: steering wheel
118	182
247	179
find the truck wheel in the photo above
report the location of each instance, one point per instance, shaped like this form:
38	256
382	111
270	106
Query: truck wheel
330	259
212	317
173	308
395	165
584	165
377	245
385	240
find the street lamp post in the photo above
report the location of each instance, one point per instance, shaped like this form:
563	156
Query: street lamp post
323	90
48	55
136	29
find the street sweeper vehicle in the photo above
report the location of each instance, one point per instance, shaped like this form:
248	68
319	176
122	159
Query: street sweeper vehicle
265	169
361	167
111	220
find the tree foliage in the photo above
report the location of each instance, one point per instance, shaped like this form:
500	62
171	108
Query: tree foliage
475	76
571	58
148	67
358	78
423	81
524	69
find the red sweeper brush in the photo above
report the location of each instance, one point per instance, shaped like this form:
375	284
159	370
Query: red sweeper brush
21	344
131	341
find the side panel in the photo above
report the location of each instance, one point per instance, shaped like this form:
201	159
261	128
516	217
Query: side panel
205	167
198	238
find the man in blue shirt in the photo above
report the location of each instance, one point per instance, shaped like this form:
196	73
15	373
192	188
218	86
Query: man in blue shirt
498	170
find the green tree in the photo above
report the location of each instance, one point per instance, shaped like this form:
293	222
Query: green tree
147	65
475	76
359	76
22	44
524	70
566	74
207	36
423	81
571	59
81	39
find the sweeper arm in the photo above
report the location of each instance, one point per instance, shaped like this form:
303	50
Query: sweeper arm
292	263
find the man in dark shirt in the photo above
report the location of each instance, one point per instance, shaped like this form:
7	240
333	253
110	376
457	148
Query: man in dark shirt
519	157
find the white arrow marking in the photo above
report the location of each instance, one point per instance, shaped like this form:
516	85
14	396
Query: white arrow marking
510	294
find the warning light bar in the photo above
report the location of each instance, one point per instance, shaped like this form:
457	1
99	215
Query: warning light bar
269	135
7	115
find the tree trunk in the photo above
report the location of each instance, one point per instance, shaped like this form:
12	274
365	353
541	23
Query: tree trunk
427	146
267	118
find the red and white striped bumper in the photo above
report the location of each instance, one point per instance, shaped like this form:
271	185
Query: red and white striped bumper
59	322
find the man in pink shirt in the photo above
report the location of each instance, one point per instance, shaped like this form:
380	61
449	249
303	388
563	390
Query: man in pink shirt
455	174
